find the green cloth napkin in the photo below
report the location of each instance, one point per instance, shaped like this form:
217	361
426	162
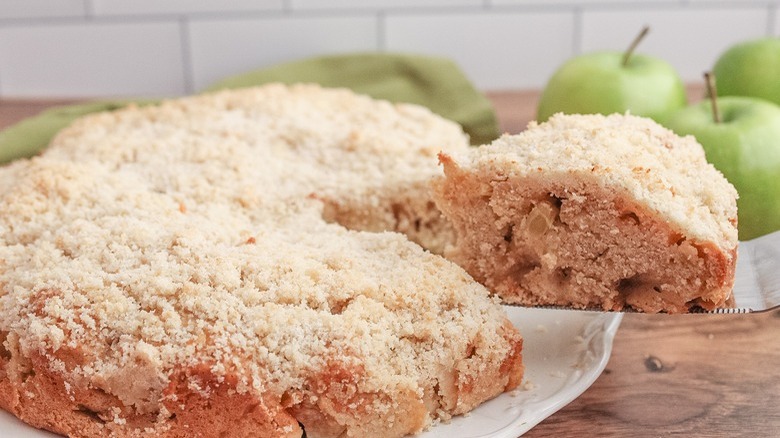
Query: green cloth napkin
31	135
436	83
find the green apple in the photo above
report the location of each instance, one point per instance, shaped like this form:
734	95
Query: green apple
614	82
745	147
751	68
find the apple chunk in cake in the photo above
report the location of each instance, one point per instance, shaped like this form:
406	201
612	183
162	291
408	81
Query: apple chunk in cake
593	211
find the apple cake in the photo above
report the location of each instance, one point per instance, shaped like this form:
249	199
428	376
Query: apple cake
182	270
593	211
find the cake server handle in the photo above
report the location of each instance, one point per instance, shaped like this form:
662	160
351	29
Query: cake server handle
757	280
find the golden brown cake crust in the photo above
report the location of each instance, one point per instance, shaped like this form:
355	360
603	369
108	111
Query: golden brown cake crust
216	408
41	399
593	211
154	284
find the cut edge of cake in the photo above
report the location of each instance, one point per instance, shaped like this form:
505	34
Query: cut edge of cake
610	212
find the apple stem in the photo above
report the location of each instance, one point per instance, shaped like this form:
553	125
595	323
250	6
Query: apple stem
635	43
709	78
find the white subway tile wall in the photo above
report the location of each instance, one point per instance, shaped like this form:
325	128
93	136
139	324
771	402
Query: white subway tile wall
381	4
91	58
154	7
690	39
497	51
42	8
776	25
225	47
102	48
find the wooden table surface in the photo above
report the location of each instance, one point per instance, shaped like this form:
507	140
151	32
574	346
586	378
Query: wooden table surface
689	375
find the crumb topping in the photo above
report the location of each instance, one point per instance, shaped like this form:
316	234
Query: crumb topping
149	239
666	173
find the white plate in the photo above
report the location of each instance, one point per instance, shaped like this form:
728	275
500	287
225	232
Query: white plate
563	351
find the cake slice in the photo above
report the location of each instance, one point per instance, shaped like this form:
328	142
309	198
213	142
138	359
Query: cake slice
587	211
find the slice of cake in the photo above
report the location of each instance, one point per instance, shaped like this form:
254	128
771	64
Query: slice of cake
591	211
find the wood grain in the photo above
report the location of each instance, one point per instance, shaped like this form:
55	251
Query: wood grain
14	110
690	375
693	375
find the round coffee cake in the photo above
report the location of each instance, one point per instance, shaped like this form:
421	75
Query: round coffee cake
202	268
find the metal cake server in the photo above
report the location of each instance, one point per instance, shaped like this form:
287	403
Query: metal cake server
757	282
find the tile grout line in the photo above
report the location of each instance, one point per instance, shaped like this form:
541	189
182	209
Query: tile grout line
381	43
287	9
383	19
576	34
89	10
186	55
